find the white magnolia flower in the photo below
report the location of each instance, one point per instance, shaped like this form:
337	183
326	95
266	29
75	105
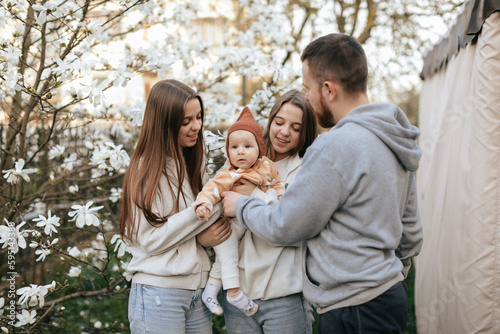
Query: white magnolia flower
214	141
76	94
49	223
84	215
56	151
100	111
70	162
120	246
98	172
11	55
74	251
94	27
120	76
128	276
89	145
86	63
117	156
12	82
116	194
2	303
100	155
41	13
4	232
65	70
74	272
95	30
95	93
4	15
137	112
42	254
12	236
49	7
13	175
33	294
74	189
25	318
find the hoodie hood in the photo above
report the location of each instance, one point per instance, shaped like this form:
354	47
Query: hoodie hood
392	127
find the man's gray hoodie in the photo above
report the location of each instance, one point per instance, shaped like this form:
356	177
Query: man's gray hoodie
354	202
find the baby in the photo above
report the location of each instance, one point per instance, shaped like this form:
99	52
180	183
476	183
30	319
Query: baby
245	150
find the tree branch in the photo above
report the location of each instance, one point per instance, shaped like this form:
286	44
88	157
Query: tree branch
309	12
357	7
370	21
110	290
49	136
340	16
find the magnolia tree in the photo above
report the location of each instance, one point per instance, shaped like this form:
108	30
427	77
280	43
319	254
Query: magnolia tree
74	75
72	94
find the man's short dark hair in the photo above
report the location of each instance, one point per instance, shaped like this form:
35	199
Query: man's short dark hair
339	58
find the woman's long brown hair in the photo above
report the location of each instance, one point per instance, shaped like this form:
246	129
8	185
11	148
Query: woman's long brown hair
158	142
308	130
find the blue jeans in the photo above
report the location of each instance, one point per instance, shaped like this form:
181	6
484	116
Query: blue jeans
175	311
290	314
384	314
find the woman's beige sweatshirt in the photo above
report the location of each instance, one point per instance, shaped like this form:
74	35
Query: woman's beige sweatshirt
169	256
268	271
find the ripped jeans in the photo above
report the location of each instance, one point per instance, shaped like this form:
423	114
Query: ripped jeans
174	311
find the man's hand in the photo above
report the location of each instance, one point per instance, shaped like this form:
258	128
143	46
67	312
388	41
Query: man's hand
244	187
228	201
216	233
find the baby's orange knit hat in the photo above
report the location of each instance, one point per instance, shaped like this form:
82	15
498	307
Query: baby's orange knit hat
246	122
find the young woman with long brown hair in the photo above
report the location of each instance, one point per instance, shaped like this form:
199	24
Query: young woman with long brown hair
165	174
271	275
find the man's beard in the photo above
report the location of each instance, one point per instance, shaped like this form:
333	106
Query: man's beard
324	116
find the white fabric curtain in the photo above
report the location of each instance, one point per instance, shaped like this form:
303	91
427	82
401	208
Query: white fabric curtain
457	288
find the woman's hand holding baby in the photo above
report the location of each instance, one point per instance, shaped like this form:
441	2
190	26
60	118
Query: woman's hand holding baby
216	233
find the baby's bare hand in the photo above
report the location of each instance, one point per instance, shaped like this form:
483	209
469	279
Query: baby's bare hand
203	213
